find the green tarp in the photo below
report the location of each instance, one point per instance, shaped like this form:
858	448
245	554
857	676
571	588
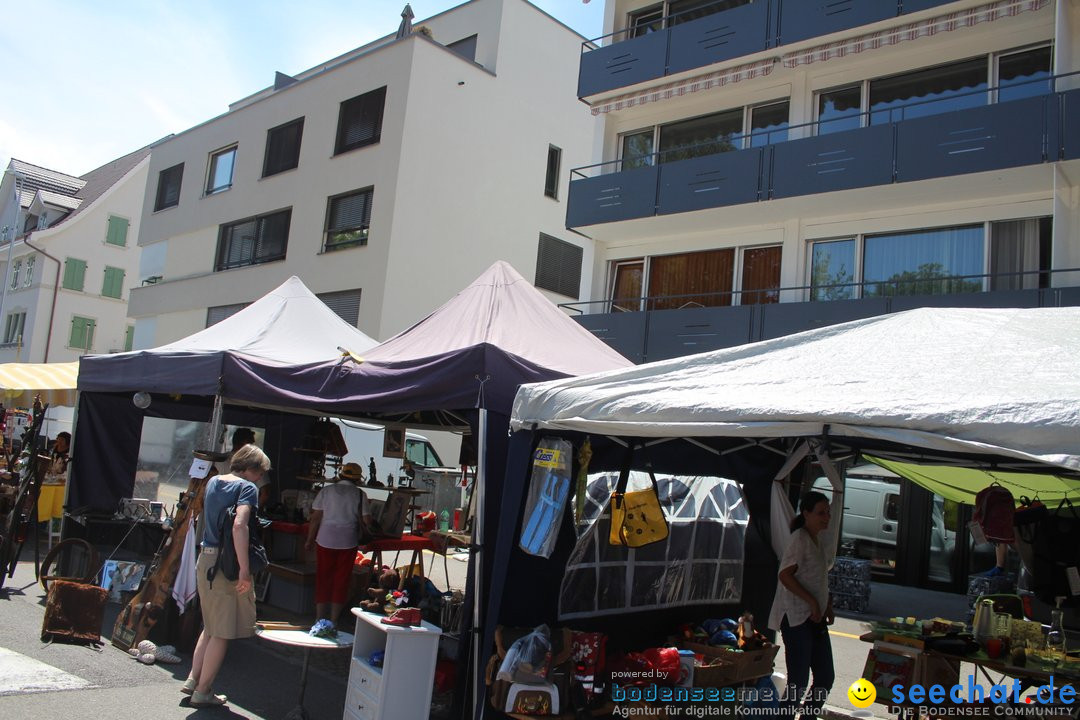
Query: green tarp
962	484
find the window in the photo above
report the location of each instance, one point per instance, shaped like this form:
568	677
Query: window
1025	74
637	149
168	189
760	276
768	124
706	135
348	218
82	333
74	274
253	241
13	327
219	173
28	274
933	261
948	86
15	269
129	338
360	121
216	314
558	266
113	284
551	179
345	303
839	109
626	285
283	147
675	12
465	47
116	231
697	279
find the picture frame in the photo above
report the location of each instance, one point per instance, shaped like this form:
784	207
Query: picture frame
394	442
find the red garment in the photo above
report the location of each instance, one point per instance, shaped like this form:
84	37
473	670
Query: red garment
333	572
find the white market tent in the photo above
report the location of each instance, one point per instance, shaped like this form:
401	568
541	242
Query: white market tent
972	383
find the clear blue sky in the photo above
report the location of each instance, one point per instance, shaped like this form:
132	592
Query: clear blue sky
86	82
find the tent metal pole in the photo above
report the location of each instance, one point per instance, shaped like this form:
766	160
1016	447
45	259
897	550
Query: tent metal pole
477	558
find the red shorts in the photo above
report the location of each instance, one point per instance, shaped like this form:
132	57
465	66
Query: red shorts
332	575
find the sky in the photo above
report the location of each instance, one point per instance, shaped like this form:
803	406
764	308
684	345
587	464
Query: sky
87	82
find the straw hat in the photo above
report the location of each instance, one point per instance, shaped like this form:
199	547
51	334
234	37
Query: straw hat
351	471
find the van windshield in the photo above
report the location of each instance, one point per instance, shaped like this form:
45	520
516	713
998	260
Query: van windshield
421	452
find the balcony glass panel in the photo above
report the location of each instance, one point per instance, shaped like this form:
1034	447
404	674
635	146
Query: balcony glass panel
923	262
1024	74
938	84
839	109
833	267
637	150
768	124
706	135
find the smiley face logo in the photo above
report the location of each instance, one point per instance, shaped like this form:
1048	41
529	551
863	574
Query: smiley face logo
861	693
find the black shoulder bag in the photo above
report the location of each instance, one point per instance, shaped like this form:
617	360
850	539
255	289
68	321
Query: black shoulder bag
227	562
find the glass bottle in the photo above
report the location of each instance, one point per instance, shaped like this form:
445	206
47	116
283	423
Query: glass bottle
1055	637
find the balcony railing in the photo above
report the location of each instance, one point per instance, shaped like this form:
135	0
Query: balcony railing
716	32
916	141
711	321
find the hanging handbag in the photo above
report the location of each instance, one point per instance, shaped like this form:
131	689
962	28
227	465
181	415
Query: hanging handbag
636	517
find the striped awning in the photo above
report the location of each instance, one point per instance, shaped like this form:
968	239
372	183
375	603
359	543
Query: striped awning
691	85
54	382
912	31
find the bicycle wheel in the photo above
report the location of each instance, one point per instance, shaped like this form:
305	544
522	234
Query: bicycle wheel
71	559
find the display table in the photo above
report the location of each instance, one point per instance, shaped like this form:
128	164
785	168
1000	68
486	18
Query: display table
416	544
401	688
300	638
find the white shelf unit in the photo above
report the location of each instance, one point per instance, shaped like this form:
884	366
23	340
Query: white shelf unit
401	688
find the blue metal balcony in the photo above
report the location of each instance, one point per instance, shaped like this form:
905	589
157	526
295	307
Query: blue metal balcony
1029	131
648	335
636	55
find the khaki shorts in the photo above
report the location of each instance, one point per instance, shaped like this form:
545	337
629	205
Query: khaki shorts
225	614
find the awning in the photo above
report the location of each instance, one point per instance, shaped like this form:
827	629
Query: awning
694	84
961	484
912	31
55	382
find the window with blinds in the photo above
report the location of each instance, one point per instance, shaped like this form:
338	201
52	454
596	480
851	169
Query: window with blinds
347	219
74	274
253	241
360	121
113	284
558	266
168	189
283	147
216	314
116	232
345	303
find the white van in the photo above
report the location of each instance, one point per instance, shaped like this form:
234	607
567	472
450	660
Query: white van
872	514
365	443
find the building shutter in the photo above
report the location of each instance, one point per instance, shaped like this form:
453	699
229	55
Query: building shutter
129	338
117	232
74	274
361	120
82	333
558	266
345	303
113	285
350	211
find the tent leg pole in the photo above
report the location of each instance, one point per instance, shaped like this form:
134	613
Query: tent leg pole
478	558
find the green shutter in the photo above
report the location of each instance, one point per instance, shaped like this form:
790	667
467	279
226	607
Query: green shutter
113	285
74	274
117	232
129	338
82	333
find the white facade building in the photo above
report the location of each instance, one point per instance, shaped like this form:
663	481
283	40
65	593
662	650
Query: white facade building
73	260
764	156
386	179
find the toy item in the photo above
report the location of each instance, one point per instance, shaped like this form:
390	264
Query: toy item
388	582
549	488
533	699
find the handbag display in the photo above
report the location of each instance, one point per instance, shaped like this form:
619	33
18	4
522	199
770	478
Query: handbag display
636	517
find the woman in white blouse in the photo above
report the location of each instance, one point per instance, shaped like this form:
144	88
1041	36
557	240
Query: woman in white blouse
802	609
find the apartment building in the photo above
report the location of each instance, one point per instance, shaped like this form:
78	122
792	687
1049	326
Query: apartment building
770	166
387	178
69	257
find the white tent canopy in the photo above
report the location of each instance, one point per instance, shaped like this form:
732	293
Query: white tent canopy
972	381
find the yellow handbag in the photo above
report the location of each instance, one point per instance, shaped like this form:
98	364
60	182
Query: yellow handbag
636	517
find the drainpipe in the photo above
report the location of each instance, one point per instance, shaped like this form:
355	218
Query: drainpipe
55	292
